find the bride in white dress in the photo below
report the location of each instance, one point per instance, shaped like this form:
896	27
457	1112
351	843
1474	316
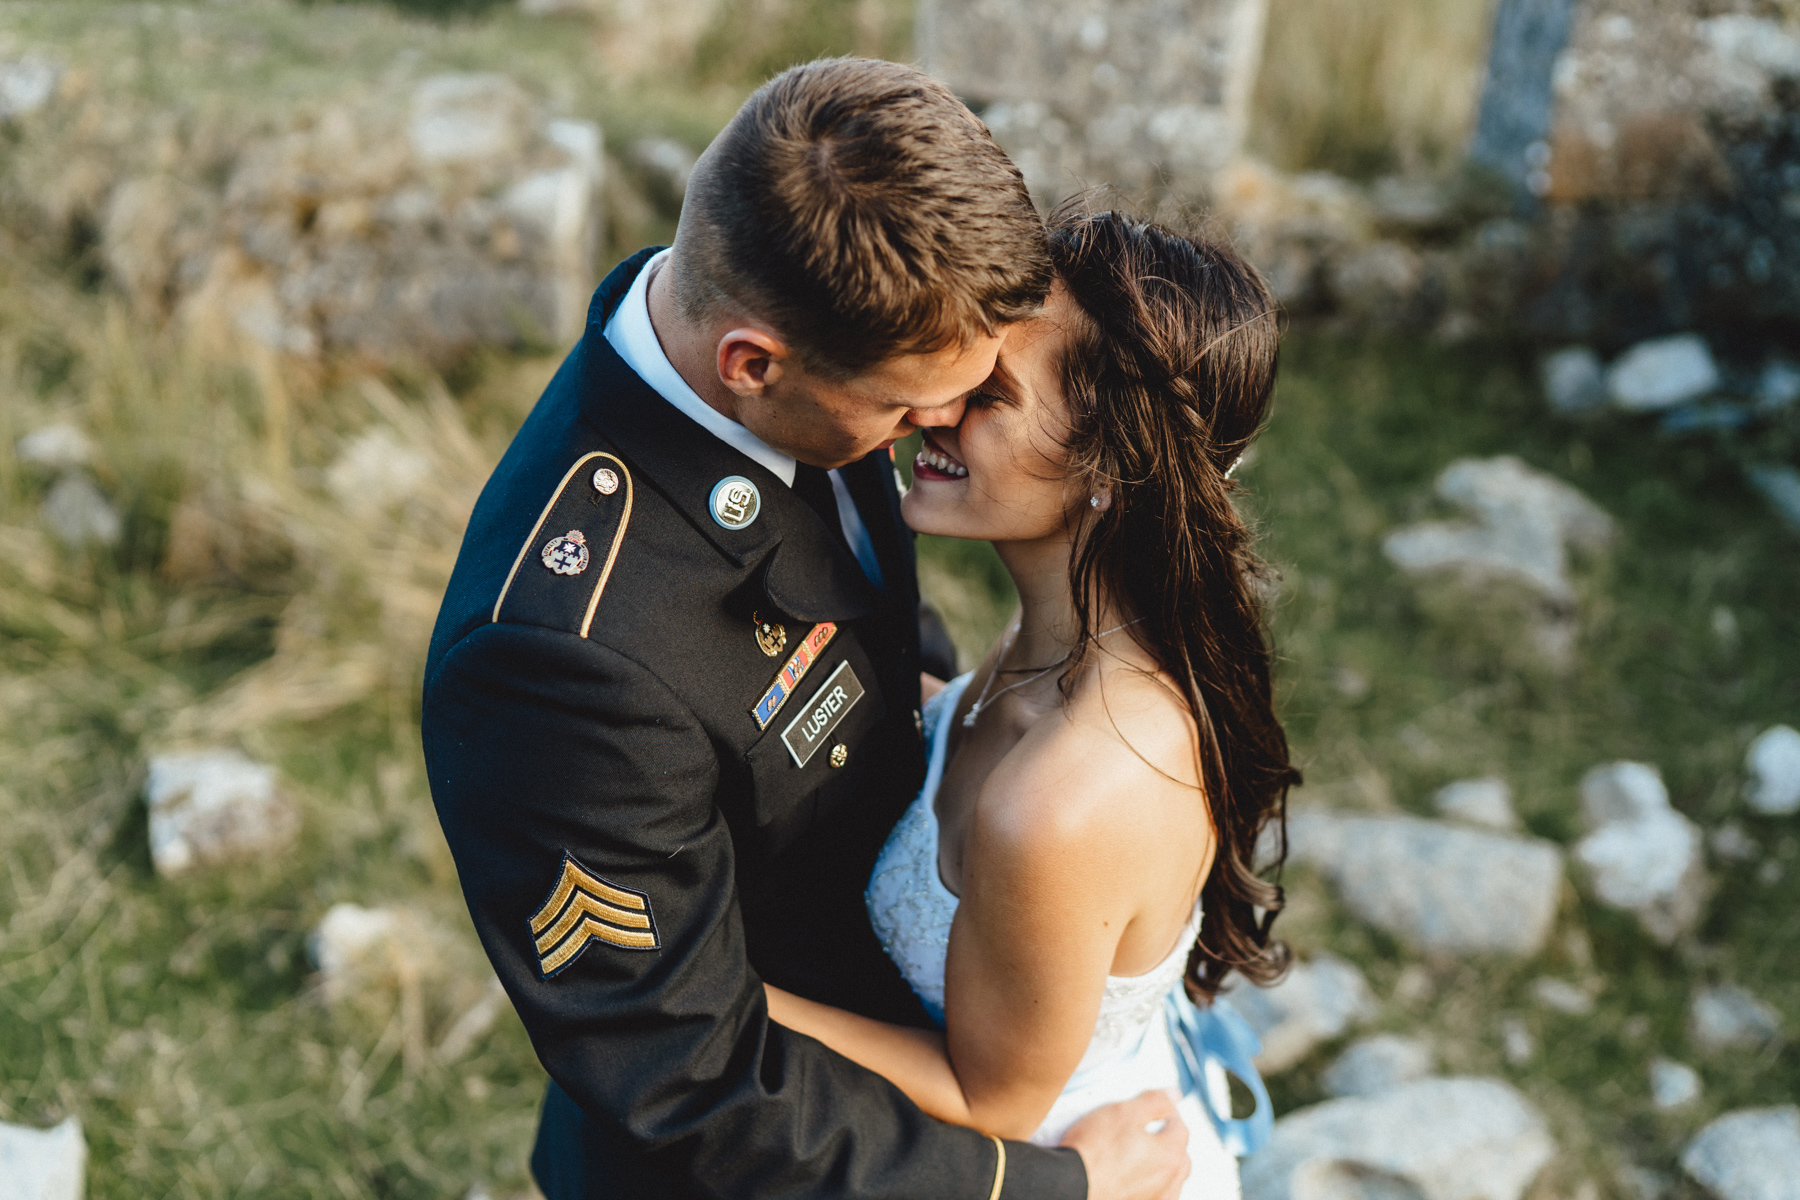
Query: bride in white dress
1076	871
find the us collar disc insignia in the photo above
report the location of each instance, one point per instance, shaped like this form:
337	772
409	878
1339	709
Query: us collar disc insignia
568	554
812	728
792	672
606	481
583	908
734	502
771	638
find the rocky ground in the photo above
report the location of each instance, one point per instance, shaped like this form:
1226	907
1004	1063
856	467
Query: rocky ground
1536	627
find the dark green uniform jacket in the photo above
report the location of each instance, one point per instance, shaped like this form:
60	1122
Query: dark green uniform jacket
652	813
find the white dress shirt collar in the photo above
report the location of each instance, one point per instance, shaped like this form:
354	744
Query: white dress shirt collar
632	335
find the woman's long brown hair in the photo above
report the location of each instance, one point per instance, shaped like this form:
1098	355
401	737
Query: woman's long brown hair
1168	374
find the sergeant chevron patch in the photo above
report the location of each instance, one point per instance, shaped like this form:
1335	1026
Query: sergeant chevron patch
584	908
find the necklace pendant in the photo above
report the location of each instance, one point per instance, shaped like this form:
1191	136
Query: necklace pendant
968	721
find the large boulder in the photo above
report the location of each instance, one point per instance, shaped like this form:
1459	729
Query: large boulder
1316	1002
1431	1139
43	1164
1752	1154
1151	96
1519	525
1439	887
1641	855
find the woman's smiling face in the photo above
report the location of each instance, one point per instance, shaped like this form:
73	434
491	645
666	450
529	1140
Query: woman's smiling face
999	474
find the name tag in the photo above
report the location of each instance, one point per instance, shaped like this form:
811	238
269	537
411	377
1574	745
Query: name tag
812	728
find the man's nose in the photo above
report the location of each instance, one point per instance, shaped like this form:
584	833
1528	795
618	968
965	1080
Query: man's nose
943	415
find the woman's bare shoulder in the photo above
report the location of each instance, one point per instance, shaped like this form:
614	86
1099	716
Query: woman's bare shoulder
1113	767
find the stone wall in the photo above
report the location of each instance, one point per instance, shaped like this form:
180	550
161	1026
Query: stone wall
402	220
1666	174
1149	96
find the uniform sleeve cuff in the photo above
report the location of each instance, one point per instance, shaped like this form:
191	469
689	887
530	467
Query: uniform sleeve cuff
1041	1173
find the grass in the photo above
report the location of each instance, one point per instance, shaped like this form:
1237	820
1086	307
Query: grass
261	601
1363	87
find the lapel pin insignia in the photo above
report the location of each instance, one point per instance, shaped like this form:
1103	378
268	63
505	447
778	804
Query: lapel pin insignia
568	554
771	638
606	481
734	502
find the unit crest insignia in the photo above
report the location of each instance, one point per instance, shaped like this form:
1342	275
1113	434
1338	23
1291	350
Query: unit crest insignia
771	638
568	554
584	908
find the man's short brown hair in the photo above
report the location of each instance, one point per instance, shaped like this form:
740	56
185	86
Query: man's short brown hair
861	209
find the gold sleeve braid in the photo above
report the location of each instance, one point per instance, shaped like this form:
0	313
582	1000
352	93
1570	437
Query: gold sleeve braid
999	1168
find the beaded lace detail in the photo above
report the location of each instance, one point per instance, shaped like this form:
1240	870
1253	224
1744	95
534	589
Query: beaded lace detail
911	911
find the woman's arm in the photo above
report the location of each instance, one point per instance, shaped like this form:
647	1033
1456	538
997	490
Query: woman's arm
1047	894
913	1060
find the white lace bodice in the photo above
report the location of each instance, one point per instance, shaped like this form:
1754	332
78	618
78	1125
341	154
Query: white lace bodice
911	910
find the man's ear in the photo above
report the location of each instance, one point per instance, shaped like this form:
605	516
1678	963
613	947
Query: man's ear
751	360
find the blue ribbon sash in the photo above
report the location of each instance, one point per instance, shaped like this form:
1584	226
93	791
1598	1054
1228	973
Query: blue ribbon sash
1217	1034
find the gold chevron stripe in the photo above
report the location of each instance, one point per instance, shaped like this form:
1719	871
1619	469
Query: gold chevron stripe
574	877
591	929
584	905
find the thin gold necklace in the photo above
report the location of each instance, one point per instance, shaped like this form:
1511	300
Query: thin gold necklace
982	701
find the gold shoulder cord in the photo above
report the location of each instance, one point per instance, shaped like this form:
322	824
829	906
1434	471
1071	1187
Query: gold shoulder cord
999	1168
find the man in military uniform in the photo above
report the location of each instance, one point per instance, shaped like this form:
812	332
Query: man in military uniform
672	699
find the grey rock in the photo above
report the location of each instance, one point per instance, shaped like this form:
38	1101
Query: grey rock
1778	386
1517	1042
1574	381
1431	1139
43	1164
1375	1064
376	471
1662	373
1523	520
1412	204
1151	96
1673	1084
1317	1001
1780	486
26	85
1622	791
1733	844
1642	856
1438	887
1757	42
1773	763
1486	801
58	447
1562	996
77	512
214	806
465	118
1751	1154
1725	1017
1377	284
355	948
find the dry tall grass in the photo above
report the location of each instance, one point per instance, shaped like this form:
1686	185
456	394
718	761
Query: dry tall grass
1366	86
287	537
